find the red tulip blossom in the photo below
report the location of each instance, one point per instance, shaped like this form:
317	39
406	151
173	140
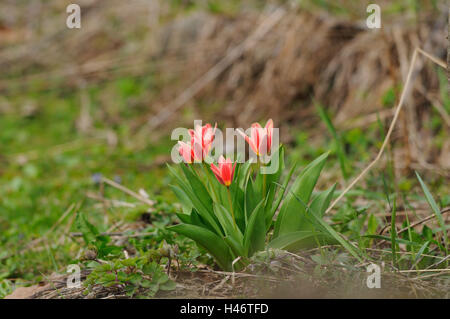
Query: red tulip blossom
186	151
225	171
260	140
202	138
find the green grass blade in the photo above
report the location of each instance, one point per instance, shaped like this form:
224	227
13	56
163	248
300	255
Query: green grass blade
344	242
420	252
394	233
435	209
337	138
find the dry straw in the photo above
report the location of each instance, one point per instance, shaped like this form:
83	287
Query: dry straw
399	107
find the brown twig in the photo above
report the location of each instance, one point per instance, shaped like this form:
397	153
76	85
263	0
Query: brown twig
445	211
128	191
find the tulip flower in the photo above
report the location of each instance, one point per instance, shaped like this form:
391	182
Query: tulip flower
260	140
200	145
225	171
186	151
224	174
201	140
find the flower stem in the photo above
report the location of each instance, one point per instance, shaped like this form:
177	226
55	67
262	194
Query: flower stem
264	184
260	165
231	207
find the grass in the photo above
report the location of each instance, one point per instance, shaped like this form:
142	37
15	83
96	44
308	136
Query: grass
436	211
48	168
35	193
394	234
338	140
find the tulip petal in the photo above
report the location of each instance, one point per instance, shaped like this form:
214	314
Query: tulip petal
217	173
198	152
247	139
263	146
185	151
226	173
269	132
232	172
255	138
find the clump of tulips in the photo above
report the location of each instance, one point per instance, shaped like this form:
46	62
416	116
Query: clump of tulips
229	208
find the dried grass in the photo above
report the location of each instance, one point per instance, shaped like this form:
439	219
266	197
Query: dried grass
309	58
287	275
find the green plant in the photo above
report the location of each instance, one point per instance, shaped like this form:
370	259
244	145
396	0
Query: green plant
138	276
6	288
142	275
98	244
436	211
336	137
233	221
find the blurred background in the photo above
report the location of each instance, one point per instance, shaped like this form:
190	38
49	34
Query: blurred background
103	99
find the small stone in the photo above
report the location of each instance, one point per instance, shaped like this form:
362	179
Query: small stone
90	254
